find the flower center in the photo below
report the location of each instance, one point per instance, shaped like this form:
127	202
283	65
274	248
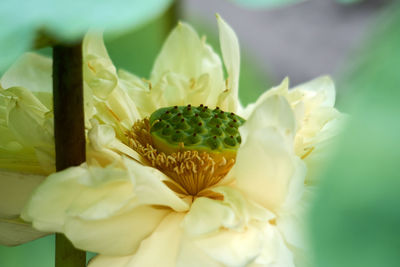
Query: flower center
194	146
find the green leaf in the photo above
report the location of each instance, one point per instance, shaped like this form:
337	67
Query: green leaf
355	221
67	20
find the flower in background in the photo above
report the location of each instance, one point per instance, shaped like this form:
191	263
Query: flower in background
146	197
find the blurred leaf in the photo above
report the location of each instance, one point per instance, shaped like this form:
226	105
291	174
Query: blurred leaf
265	3
67	20
355	221
38	253
276	3
349	1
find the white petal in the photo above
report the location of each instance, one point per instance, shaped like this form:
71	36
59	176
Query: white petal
99	72
281	89
117	235
31	71
139	91
187	69
15	232
27	132
208	216
15	190
150	188
190	254
112	103
104	148
274	253
160	249
323	88
231	55
233	248
93	193
266	167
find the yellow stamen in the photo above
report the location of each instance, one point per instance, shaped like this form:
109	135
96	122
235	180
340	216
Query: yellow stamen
192	170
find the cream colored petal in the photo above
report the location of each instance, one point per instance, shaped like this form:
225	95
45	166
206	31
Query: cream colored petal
98	71
233	248
187	68
322	146
111	102
96	193
27	132
103	146
31	71
292	222
281	89
266	167
78	191
231	55
139	91
150	188
15	190
117	235
208	216
190	254
274	253
159	249
321	88
15	232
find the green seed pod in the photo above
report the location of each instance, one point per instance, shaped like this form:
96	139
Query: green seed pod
196	128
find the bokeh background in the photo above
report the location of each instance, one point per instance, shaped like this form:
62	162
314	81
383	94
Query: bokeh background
355	220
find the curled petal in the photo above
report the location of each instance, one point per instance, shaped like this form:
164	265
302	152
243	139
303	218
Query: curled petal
86	203
266	168
231	55
31	71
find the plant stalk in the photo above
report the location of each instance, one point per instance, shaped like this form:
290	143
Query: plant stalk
69	131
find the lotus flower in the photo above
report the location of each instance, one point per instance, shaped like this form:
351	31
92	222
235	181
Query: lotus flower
178	172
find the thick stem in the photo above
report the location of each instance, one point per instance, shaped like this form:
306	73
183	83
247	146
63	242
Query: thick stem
68	130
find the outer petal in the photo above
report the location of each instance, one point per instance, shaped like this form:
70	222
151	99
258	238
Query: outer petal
88	203
15	231
292	223
118	235
105	99
225	231
266	167
15	190
321	91
274	253
26	127
231	55
160	249
31	71
186	71
233	248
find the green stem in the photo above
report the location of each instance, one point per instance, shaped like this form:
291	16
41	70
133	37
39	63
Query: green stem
68	130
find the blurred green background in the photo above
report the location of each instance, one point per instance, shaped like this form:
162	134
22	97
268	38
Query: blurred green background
355	219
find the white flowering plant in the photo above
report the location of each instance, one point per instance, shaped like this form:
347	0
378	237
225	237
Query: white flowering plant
178	173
